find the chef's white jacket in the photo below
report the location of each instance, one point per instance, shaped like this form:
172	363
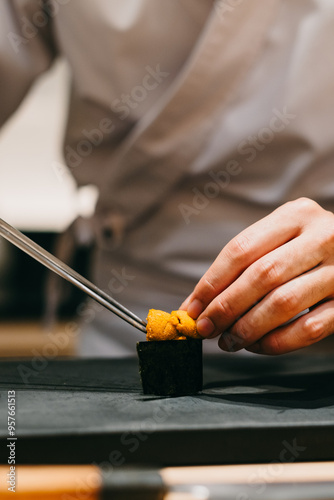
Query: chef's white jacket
194	118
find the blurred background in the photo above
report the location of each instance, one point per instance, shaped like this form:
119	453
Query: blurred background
39	197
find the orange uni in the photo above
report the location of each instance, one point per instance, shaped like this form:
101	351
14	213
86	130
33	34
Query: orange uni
175	326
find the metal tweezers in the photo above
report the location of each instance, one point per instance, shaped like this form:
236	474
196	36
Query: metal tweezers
57	266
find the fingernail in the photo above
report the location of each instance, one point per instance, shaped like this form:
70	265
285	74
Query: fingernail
195	308
255	348
229	343
205	327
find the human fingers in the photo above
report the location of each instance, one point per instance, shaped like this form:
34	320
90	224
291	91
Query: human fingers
278	307
267	273
247	247
306	330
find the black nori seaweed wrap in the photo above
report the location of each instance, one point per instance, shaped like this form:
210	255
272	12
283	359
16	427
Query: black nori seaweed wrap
171	367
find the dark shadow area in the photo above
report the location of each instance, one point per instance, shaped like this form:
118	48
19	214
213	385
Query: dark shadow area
268	383
292	391
23	281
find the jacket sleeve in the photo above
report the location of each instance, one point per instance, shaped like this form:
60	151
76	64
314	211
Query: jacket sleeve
26	49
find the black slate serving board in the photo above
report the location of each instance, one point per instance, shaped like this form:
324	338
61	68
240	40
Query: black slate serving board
251	409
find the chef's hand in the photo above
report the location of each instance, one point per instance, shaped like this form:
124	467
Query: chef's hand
265	276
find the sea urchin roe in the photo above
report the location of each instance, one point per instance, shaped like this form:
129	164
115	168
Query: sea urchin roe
175	326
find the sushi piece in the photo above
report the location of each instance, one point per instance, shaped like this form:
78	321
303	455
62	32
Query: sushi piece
167	366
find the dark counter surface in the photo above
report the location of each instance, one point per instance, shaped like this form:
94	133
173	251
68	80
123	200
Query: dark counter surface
252	409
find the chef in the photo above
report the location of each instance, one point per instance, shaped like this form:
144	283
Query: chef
207	127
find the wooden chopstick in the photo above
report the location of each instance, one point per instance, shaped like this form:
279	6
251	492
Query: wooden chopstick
78	482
